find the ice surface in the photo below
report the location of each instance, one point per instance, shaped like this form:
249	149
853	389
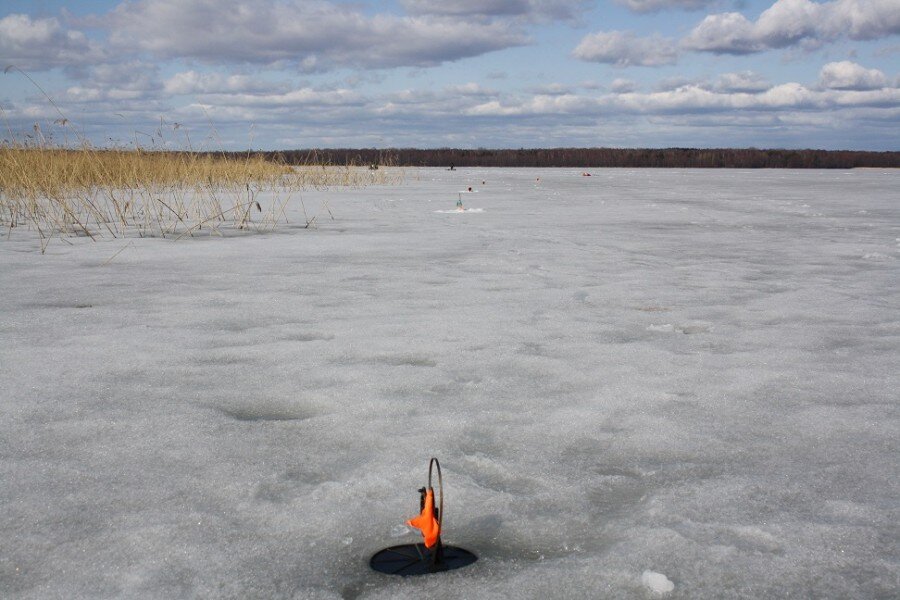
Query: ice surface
688	371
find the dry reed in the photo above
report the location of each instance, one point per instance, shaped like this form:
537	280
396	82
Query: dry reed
91	192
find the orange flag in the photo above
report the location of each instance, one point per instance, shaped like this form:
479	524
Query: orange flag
426	523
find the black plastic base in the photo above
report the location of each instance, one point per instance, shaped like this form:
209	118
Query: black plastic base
416	559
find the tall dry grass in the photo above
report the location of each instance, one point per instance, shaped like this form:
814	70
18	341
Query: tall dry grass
53	171
91	192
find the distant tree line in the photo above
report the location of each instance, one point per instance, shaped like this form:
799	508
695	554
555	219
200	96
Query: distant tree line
729	158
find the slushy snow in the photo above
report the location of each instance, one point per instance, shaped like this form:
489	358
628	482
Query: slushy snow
689	371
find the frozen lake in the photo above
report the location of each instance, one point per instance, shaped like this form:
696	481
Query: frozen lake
689	373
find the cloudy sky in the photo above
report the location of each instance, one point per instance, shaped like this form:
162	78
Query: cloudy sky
234	74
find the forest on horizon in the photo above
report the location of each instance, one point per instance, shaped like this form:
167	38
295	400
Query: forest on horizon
729	158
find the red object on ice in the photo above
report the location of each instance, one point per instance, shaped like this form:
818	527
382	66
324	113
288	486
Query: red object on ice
426	523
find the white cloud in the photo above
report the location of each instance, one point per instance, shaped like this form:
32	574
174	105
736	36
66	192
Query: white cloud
647	6
467	7
790	22
622	86
132	75
115	87
863	19
694	99
625	49
744	81
565	104
309	34
469	89
846	75
552	89
678	81
79	94
194	82
727	33
39	44
293	98
529	9
446	103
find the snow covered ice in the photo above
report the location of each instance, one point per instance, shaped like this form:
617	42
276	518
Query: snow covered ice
682	372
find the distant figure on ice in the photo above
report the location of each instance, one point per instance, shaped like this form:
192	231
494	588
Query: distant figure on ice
452	167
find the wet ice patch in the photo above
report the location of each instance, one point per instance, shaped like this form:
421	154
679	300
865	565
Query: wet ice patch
657	582
687	329
653	308
494	475
267	411
755	539
404	360
306	336
288	486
